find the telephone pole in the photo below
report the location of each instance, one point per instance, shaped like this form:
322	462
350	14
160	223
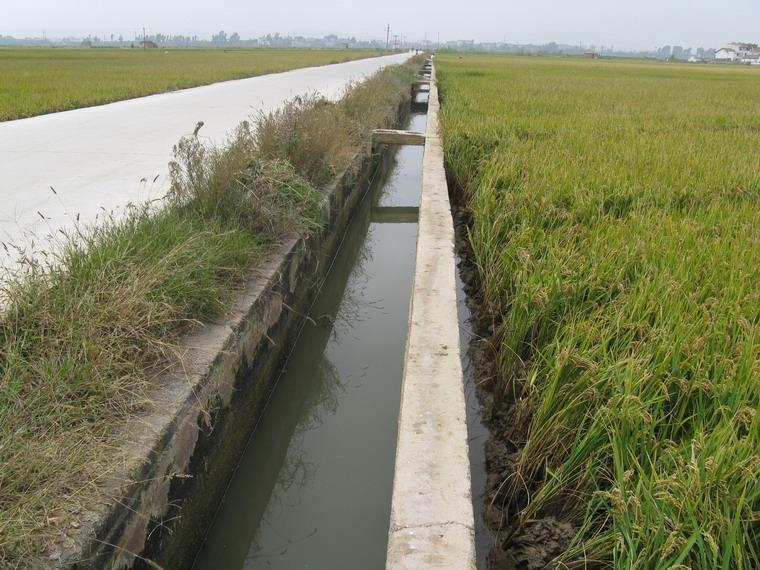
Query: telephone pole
387	36
145	46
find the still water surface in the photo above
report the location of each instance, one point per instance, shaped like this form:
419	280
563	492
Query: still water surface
313	488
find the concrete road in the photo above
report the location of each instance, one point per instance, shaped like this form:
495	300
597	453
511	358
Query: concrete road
101	158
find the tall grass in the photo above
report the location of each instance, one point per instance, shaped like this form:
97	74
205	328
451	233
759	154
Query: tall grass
85	332
615	227
321	138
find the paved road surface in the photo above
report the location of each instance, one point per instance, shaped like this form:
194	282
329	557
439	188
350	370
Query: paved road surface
101	158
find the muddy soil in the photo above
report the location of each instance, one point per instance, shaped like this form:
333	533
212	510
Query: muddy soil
530	545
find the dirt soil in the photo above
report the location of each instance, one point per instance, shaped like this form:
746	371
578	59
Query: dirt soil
534	544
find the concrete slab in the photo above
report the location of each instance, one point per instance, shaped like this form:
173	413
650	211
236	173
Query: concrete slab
395	136
101	158
432	522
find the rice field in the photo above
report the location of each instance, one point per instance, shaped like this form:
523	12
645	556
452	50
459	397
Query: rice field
34	81
615	227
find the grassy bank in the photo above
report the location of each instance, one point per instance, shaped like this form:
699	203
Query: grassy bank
615	224
45	80
84	337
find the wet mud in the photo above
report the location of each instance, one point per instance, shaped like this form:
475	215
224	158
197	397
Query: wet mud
514	544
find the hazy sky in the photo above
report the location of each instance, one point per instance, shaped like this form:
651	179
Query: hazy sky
631	24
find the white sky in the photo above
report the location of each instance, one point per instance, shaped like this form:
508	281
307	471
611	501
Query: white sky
629	25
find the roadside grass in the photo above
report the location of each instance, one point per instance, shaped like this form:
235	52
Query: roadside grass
86	331
44	80
615	228
321	138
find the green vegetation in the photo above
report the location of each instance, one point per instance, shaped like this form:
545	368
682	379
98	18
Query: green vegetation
44	80
83	337
616	231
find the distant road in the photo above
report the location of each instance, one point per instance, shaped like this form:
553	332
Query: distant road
101	158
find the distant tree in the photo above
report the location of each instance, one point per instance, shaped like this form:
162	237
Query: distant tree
234	38
220	38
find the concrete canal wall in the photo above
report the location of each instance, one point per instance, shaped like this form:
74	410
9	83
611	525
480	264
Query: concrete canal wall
432	522
163	491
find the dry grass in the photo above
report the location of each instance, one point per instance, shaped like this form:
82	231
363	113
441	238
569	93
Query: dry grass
321	138
312	134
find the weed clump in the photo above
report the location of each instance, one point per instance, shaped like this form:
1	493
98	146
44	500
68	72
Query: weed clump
322	138
238	186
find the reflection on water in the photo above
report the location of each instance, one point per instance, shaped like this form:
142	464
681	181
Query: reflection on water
313	489
405	181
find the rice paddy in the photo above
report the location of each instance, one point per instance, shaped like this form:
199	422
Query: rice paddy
45	80
615	228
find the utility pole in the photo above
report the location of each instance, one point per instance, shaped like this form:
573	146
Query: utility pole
145	46
387	37
438	47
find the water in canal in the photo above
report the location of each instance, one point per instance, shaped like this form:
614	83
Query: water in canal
313	488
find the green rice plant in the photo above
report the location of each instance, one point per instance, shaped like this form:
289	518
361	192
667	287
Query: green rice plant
615	228
45	80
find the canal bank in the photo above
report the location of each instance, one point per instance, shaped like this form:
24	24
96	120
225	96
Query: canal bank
432	521
314	487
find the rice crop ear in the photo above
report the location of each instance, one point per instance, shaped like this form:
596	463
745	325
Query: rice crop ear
617	255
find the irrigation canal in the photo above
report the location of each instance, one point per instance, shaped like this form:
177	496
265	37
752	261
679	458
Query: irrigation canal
313	488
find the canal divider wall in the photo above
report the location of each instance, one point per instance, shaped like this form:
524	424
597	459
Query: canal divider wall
177	458
432	522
